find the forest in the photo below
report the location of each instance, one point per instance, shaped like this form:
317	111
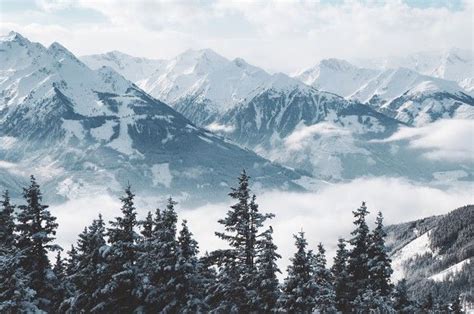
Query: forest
153	264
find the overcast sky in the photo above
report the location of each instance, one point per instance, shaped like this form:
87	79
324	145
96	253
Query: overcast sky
277	35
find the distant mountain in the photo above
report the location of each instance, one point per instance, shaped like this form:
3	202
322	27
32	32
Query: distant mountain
337	76
400	93
133	68
82	130
435	254
453	64
200	84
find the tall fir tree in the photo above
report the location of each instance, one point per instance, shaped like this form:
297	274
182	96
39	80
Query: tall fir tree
15	294
325	297
71	261
121	257
89	275
189	289
242	225
299	287
7	223
36	230
59	268
358	263
268	291
341	277
380	268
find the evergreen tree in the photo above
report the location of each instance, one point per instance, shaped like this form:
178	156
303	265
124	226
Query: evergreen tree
325	298
402	302
89	275
341	277
7	223
147	226
358	264
428	303
379	262
59	268
268	291
299	287
71	261
15	294
120	288
36	229
159	264
188	283
242	225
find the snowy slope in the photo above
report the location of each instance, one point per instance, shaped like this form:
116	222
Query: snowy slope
201	83
337	76
132	68
74	127
453	64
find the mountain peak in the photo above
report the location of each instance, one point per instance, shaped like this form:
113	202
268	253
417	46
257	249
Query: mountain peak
14	37
336	64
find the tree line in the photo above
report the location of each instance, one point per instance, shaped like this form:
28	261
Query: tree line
151	265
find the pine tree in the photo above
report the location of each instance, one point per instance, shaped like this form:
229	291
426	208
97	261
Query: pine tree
358	264
7	223
402	303
59	268
325	298
15	294
341	277
188	283
299	286
379	262
242	225
147	226
268	291
72	261
121	257
89	275
36	229
158	264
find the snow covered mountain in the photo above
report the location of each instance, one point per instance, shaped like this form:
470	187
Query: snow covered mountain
453	64
133	68
435	254
414	98
400	93
75	127
337	76
200	84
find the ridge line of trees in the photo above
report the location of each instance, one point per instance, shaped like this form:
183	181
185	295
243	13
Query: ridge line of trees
148	266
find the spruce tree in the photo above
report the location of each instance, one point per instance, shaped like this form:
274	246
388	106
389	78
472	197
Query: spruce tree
456	306
36	230
341	277
89	275
120	288
71	261
268	291
358	264
242	225
325	298
59	268
189	293
15	294
380	268
402	303
299	287
7	223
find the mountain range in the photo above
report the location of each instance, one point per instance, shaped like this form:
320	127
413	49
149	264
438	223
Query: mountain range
188	125
81	129
329	120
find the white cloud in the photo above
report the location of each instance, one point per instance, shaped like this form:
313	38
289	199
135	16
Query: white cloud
303	133
450	140
324	215
289	35
217	127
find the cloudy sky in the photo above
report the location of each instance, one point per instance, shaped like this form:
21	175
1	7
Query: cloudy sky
277	35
